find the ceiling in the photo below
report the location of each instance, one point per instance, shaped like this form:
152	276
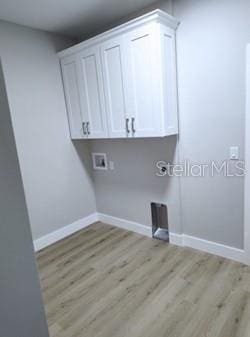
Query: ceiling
75	18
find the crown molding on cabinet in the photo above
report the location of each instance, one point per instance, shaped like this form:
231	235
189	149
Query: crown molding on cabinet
156	15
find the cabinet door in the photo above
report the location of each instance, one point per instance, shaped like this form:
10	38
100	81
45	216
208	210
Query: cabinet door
91	93
144	96
72	96
114	68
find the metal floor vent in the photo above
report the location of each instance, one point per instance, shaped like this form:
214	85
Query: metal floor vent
159	221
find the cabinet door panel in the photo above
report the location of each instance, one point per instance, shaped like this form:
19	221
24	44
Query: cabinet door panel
91	92
144	88
113	72
71	89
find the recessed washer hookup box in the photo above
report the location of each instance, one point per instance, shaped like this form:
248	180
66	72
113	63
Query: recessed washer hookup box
159	221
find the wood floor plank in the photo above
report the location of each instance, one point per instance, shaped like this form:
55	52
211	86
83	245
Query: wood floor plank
127	296
83	244
86	251
63	244
108	282
105	283
83	269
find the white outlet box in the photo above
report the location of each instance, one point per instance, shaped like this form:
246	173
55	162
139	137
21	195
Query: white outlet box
99	161
234	152
111	165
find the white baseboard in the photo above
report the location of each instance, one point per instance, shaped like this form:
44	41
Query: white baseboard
214	248
179	239
183	240
208	246
126	224
63	232
176	239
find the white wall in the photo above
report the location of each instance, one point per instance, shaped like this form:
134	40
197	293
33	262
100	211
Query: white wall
211	43
56	175
21	307
127	191
211	71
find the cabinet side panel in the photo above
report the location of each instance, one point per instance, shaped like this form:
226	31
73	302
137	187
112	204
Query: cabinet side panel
169	80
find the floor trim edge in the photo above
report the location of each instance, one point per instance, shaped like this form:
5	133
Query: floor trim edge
63	232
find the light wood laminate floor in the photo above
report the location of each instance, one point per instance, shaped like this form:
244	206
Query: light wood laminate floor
108	282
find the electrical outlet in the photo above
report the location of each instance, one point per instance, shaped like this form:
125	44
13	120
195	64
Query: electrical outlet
234	152
111	165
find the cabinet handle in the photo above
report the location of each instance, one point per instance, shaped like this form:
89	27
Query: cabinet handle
127	126
87	127
84	128
133	125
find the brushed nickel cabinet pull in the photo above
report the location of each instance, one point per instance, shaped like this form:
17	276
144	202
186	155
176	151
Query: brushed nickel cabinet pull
87	127
133	125
84	128
127	126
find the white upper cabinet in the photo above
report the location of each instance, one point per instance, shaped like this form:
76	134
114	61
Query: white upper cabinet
114	72
91	93
122	84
